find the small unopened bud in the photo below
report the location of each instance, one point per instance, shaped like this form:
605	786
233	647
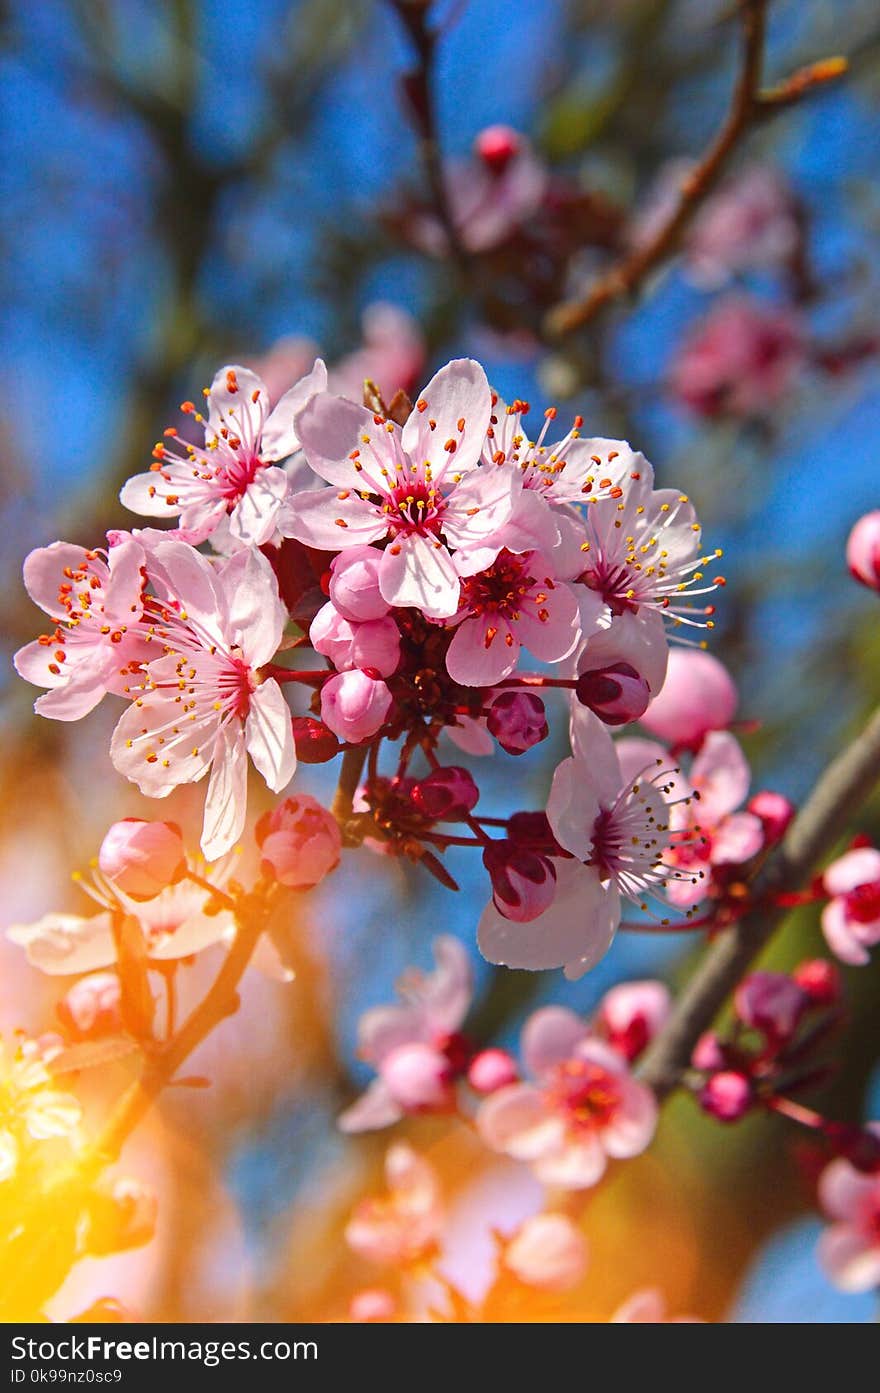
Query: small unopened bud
775	812
446	795
616	694
770	1002
354	584
315	743
863	550
93	1005
142	858
491	1070
496	146
820	980
419	1078
355	705
726	1096
518	721
698	696
299	842
708	1052
523	881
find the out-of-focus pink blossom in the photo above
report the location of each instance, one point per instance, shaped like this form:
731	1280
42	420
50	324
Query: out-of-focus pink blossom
697	696
708	1052
372	1304
354	585
288	359
492	1069
415	1047
299	842
631	1014
548	1252
518	720
775	811
751	223
141	858
820	979
93	1005
446	794
849	1249
392	354
771	1002
716	834
354	705
373	643
94	599
648	1307
863	550
583	1107
491	195
401	1227
740	361
727	1095
851	919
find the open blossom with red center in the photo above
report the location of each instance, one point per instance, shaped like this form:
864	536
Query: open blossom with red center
95	600
416	488
204	706
583	1107
849	1249
415	1047
851	919
233	482
516	601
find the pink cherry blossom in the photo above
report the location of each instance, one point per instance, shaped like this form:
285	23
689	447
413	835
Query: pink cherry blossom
548	1252
234	478
373	643
355	705
392	354
299	841
863	550
740	361
631	1014
417	486
414	1046
401	1227
92	1006
491	195
771	1002
204	705
141	858
775	811
714	834
95	600
515	601
849	1249
583	1107
446	794
751	223
698	696
851	919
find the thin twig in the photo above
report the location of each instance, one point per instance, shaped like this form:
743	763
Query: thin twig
748	103
842	789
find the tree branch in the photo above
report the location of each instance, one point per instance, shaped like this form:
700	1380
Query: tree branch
747	104
842	789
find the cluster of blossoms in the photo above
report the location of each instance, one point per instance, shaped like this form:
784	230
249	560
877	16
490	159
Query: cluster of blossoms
420	556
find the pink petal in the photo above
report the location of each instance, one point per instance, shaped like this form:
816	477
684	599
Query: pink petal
850	1258
385	1028
417	572
253	613
43	572
447	992
549	1038
269	734
279	438
253	520
458	392
321	518
844	1191
632	1128
62	944
246	406
477	509
721	773
479	654
576	1165
226	801
858	867
552	630
516	1120
374	1109
573	807
840	935
738	838
329	429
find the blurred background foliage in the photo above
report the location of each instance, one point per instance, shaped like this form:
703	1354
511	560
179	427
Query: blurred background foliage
189	182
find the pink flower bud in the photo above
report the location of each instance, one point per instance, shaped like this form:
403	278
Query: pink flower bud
491	1070
355	705
632	1013
532	829
863	550
299	842
708	1052
92	1006
496	146
820	980
142	858
315	744
373	644
372	1304
419	1078
616	694
548	1252
770	1002
697	696
354	584
726	1096
518	721
775	812
122	1214
446	795
523	881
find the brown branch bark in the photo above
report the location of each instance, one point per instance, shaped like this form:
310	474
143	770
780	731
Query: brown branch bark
841	790
748	104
